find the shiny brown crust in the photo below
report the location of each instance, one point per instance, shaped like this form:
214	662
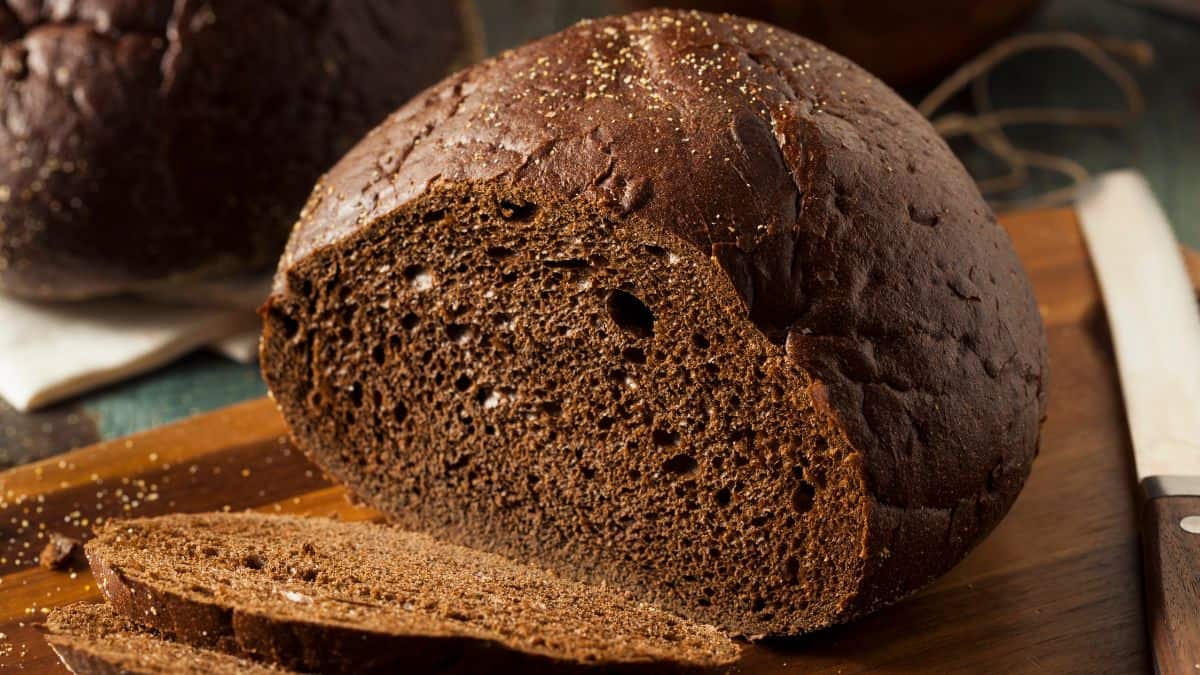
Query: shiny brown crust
147	140
858	244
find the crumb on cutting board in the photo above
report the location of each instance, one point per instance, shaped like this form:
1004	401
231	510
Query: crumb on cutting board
60	552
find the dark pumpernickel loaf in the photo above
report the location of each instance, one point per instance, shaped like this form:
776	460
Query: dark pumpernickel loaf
679	302
152	140
91	639
319	595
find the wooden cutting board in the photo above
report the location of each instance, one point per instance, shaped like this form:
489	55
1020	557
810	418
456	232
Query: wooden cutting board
1054	589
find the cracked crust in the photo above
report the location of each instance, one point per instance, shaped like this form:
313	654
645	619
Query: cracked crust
858	244
151	140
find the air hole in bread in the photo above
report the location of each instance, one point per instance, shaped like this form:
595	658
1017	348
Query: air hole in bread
409	321
378	355
681	464
253	561
420	278
462	383
566	263
633	355
290	326
499	252
723	496
551	408
665	437
517	212
802	497
400	412
356	394
458	332
700	341
655	250
791	570
630	313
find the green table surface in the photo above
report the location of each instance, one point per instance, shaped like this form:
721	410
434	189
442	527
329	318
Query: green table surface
1164	145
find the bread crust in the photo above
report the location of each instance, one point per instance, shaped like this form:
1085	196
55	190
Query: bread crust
91	638
855	238
148	140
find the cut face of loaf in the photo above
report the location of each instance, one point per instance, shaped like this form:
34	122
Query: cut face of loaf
318	595
92	639
682	303
537	378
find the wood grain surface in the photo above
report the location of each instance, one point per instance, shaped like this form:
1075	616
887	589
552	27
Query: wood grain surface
1056	588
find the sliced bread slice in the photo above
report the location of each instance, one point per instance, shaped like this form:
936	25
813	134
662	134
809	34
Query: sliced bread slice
90	638
321	595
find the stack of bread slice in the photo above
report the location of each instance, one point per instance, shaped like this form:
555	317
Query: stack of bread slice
216	593
251	593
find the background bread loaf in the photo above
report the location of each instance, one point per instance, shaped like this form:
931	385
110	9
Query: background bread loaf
148	139
676	301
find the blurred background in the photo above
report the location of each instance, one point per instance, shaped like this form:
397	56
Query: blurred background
1155	43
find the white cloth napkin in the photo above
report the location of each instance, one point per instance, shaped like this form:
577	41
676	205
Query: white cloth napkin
51	351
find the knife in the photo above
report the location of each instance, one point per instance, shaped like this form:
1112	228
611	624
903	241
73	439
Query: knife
1155	328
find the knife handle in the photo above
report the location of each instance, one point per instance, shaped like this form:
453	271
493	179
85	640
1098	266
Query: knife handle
1171	554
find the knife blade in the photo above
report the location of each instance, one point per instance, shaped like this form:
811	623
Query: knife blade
1155	326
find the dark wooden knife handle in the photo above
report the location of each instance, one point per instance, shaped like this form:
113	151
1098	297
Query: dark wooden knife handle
1172	570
